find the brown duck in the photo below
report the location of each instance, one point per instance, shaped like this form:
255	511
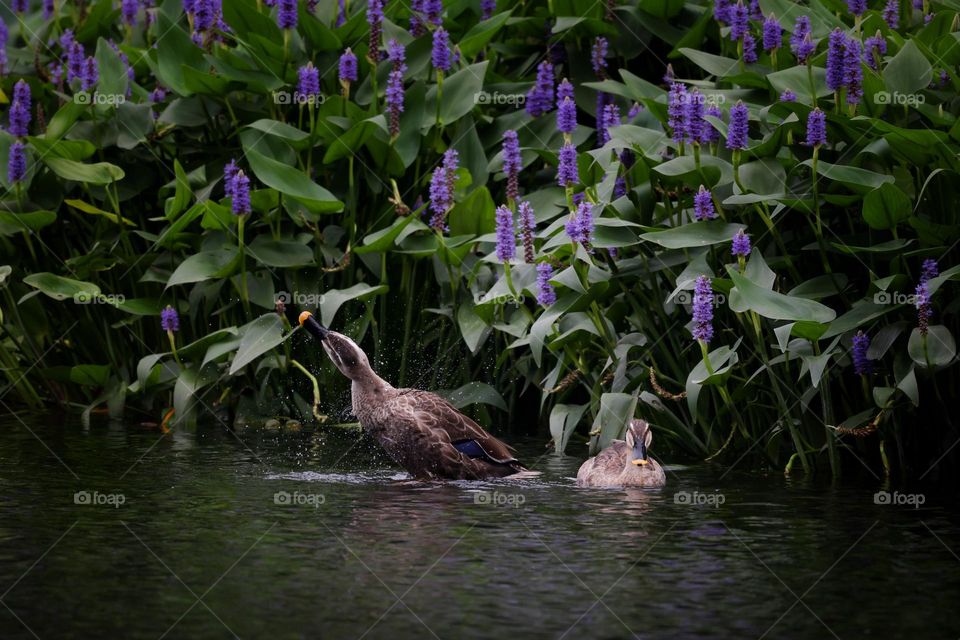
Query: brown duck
625	462
419	430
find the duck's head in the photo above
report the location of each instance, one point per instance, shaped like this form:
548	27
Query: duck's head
638	439
344	352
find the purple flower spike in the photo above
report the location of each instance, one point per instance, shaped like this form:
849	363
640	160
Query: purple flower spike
440	55
434	11
564	90
347	71
611	118
703	205
721	11
17	163
394	100
788	96
375	22
862	365
128	11
875	47
739	123
800	42
676	111
703	310
511	163
540	96
546	296
528	226
922	302
580	227
287	14
709	133
857	7
567	173
598	57
91	74
693	122
816	128
739	21
241	194
749	49
20	110
853	70
634	111
772	33
836	51
169	319
567	116
47	9
506	241
308	85
229	175
930	270
891	13
740	246
487	9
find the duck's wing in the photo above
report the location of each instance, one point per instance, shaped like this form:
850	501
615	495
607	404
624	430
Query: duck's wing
443	421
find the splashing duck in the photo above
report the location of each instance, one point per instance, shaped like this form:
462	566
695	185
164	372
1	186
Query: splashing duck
419	430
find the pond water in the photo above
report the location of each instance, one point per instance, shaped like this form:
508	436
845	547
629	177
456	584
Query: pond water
115	531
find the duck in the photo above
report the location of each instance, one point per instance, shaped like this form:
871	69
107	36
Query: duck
419	430
624	463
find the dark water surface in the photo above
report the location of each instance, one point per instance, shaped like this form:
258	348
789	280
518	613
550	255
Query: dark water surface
200	547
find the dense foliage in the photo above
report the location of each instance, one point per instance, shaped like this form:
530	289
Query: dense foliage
753	247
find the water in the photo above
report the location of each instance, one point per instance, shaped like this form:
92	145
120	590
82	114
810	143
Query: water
201	549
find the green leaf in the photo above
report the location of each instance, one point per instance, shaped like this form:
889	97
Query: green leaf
13	223
936	349
257	338
382	240
564	418
292	182
472	327
616	412
335	298
474	215
473	393
459	94
204	266
86	207
696	234
60	288
886	207
852	176
99	173
280	253
297	139
774	305
907	72
477	38
113	73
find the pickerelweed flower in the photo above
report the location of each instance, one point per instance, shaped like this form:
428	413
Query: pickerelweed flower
564	90
567	116
611	118
580	227
634	111
703	205
55	70
17	162
922	302
772	33
397	55
756	13
20	6
875	47
347	67
619	187
287	14
891	13
857	7
567	173
4	36
417	27
740	246
204	17
506	241
816	128
721	11
487	9
440	54
91	74
47	9
677	111
511	163
441	197
528	226
375	22
703	310
853	70
76	58
836	53
451	162
128	11
21	110
229	175
788	96
241	194
930	270
169	319
308	83
434	11
749	49
546	295
693	121
598	56
739	123
709	133
801	42
540	96
862	365
739	21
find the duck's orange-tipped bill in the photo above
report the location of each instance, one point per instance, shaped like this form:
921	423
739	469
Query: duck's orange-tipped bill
304	316
639	462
